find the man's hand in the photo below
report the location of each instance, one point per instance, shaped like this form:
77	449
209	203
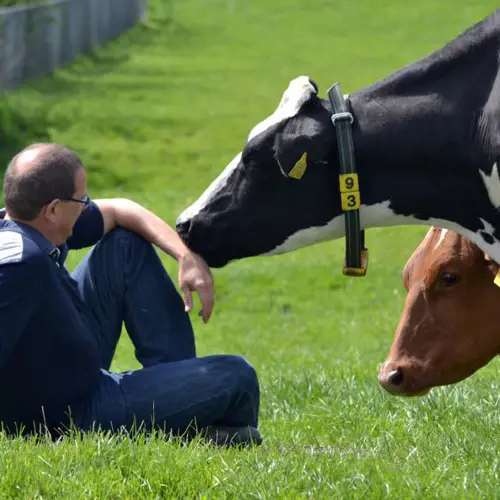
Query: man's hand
195	275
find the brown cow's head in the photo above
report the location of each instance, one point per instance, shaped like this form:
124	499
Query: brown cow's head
450	326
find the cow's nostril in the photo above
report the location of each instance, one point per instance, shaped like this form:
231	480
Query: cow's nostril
395	377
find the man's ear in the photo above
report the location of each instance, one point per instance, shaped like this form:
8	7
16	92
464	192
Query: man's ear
304	140
50	210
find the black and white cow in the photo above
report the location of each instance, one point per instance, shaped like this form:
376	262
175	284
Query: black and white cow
427	142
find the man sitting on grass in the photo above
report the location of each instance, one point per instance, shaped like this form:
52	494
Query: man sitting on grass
58	332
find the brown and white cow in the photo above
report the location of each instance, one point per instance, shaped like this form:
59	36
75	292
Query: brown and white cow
450	326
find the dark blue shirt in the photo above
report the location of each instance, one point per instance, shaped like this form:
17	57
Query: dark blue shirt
49	354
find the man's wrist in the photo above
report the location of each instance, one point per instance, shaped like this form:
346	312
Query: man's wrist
182	254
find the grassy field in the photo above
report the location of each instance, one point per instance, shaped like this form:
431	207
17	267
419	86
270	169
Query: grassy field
156	115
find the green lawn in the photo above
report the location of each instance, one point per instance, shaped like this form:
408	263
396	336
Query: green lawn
156	115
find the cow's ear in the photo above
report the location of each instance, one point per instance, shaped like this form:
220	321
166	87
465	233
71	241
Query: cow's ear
291	153
304	141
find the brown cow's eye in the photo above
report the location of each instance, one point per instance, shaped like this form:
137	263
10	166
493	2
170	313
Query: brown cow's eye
450	279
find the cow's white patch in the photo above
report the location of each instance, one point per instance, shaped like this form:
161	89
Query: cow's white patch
441	237
380	215
488	228
298	92
377	215
11	247
492	184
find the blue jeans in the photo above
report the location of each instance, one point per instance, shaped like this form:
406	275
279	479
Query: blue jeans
123	280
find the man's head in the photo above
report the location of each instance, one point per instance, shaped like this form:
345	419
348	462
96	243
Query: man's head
44	186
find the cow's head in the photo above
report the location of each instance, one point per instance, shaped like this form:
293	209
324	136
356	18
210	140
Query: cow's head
450	326
426	150
285	180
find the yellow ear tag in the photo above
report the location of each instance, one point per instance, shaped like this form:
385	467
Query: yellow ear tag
497	279
299	168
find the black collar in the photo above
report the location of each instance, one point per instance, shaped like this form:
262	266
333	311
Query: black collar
356	257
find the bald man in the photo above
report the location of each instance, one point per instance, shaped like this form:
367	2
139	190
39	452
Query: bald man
59	332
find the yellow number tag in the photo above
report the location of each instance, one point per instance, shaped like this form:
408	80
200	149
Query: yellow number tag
350	201
348	183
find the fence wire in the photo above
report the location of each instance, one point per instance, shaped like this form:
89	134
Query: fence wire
36	39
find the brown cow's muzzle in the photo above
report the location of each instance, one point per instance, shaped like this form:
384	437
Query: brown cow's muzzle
404	379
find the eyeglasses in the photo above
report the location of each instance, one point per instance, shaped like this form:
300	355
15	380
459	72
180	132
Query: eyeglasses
85	200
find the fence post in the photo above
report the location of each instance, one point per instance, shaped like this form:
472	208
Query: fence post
143	16
2	54
60	31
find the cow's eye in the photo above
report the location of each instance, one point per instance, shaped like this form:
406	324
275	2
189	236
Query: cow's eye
450	279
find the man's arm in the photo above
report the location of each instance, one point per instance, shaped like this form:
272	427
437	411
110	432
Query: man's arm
194	273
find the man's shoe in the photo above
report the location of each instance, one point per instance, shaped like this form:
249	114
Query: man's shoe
232	436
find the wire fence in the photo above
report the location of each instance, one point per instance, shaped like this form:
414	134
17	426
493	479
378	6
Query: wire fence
36	39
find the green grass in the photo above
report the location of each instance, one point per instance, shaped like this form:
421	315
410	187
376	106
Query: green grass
156	115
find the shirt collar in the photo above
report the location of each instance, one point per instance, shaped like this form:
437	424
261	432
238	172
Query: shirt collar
44	244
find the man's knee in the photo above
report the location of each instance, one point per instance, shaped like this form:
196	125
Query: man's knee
120	235
120	242
239	370
121	253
